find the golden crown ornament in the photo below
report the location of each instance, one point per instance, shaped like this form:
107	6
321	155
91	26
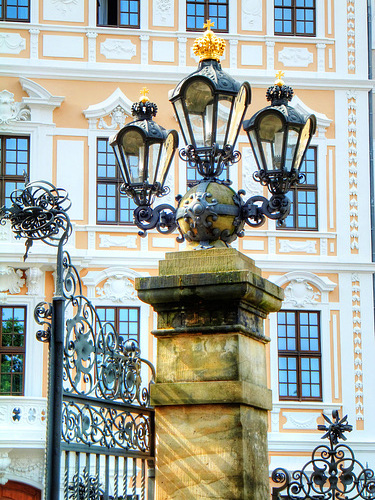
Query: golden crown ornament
209	46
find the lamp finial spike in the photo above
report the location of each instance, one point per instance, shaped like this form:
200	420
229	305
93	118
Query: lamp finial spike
144	98
208	24
279	81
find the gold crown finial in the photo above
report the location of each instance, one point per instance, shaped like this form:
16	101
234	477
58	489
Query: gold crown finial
144	93
208	24
279	81
209	46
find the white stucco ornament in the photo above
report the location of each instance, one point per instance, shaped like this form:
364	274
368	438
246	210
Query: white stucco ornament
11	280
11	111
117	288
300	293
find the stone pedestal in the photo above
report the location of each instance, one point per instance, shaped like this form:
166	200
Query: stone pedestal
211	397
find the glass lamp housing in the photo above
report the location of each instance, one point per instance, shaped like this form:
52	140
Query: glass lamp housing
279	136
144	151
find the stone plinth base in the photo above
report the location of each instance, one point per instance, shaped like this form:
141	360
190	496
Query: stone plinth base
211	397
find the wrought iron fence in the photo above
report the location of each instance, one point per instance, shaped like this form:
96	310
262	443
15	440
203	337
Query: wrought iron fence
332	473
100	427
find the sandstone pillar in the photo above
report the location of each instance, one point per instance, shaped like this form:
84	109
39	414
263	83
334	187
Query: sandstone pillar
211	397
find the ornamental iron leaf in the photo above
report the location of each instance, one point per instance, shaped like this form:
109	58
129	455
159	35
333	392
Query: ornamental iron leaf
332	473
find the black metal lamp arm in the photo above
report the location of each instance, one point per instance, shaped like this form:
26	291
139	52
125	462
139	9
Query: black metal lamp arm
162	217
255	210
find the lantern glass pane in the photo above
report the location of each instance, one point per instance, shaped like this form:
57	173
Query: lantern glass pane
256	150
271	133
199	100
153	160
223	112
292	139
168	150
304	140
182	119
133	147
239	108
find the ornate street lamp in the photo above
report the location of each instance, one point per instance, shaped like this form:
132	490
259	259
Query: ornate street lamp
144	151
210	107
279	136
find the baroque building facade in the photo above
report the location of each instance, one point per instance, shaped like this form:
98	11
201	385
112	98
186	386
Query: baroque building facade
71	70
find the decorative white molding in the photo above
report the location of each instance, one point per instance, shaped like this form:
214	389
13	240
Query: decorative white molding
109	240
11	111
11	280
64	10
233	51
252	187
27	468
300	420
252	15
270	55
92	36
117	106
122	49
5	462
144	48
288	246
322	120
296	57
163	13
34	43
182	40
353	170
322	283
321	56
299	293
34	281
117	288
357	345
93	278
351	36
11	43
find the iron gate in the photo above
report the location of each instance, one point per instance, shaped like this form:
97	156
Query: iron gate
100	428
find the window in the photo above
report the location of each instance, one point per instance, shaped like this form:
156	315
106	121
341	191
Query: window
295	17
298	335
12	350
119	13
192	176
304	197
14	165
198	11
15	10
112	207
124	319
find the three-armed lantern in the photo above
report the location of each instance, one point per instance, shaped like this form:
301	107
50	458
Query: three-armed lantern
210	107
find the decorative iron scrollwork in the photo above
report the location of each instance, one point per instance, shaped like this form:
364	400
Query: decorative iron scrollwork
43	316
336	473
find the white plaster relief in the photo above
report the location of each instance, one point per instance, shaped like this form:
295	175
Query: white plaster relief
251	186
64	10
5	462
300	420
11	111
295	57
162	51
11	280
163	13
233	50
92	36
114	48
307	246
321	56
144	48
252	15
108	240
117	288
29	468
34	43
117	106
299	293
182	40
270	55
11	43
34	281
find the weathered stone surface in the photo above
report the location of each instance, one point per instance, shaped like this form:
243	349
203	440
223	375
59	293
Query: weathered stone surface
213	452
210	396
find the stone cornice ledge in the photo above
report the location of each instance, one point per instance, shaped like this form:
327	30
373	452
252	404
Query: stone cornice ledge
211	392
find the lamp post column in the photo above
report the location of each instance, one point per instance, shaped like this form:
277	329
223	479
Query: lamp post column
211	397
